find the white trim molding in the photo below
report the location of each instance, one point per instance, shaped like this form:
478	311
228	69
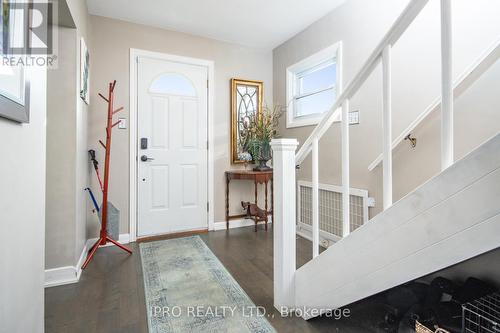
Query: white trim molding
331	53
68	274
209	64
71	274
60	276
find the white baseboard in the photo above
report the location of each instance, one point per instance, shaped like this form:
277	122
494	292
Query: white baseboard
60	276
65	275
325	238
236	224
71	274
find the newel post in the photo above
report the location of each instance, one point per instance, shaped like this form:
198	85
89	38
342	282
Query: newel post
284	222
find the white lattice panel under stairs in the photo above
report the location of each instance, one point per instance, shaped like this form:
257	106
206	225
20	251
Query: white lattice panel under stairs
330	207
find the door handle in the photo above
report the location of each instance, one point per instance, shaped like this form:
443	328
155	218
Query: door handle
144	158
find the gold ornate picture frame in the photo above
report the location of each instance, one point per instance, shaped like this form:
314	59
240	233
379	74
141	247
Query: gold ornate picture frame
246	103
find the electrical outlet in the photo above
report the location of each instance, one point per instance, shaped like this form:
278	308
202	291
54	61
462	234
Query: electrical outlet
370	202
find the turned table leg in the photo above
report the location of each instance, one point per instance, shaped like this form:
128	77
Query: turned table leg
256	218
265	184
227	202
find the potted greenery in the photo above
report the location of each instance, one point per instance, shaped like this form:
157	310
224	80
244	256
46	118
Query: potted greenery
259	132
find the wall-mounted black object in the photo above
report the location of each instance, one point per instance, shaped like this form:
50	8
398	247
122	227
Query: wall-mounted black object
96	167
144	143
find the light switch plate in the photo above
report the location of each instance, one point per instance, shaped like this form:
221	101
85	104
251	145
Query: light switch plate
123	123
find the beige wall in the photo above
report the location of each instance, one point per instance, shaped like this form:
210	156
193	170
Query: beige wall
60	228
109	52
67	161
477	119
360	25
22	214
80	15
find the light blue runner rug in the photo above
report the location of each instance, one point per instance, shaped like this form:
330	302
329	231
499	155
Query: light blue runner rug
189	290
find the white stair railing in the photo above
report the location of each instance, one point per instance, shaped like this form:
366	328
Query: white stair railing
285	162
468	77
401	24
345	171
446	87
387	127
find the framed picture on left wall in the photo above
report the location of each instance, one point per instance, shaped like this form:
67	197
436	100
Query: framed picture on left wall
14	79
84	71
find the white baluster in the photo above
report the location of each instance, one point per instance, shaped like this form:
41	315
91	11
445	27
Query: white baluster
315	199
446	86
387	126
345	169
284	229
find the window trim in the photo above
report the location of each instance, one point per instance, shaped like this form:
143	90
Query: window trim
295	71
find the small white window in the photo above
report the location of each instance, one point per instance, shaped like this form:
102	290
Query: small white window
173	84
313	85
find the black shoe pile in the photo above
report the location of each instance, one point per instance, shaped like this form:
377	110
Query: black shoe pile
437	304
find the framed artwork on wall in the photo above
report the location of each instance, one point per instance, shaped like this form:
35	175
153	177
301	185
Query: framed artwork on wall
14	81
84	71
14	93
246	105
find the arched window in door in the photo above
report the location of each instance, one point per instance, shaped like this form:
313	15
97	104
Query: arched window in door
173	84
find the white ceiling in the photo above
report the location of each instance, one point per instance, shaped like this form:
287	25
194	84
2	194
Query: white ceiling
257	23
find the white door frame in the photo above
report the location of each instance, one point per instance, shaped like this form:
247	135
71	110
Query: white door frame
209	64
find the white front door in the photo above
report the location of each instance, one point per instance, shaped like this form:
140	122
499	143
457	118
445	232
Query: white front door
172	147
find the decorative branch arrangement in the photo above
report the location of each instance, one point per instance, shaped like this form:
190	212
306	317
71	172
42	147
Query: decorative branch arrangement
104	237
258	132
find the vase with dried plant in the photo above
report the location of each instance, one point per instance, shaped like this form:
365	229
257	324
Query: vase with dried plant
260	131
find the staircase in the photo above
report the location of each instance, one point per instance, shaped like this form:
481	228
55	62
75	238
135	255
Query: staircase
451	218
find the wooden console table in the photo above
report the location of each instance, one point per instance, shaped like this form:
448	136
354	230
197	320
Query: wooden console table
258	177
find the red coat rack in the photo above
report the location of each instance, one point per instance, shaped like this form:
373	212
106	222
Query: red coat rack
103	236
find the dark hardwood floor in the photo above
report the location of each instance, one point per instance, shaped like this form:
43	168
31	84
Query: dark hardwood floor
110	294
